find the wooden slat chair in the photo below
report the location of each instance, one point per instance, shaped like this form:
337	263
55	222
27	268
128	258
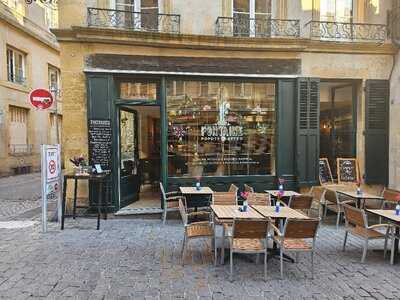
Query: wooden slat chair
298	235
301	203
259	199
194	230
223	198
331	202
390	198
233	189
356	223
249	236
248	188
170	201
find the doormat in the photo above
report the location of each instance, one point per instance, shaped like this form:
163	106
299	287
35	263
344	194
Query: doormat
138	211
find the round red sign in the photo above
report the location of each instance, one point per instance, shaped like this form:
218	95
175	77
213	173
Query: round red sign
41	98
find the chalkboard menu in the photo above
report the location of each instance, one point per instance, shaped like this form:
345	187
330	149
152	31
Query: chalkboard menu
347	170
100	143
325	174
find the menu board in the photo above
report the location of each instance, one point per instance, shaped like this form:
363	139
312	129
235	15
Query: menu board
100	143
347	170
325	174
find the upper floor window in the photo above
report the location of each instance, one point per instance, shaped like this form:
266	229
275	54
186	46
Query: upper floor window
251	17
142	13
54	78
16	66
336	10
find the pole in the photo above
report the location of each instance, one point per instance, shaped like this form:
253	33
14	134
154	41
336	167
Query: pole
44	189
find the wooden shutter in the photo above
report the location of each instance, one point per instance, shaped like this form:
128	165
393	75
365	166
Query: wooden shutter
307	131
377	131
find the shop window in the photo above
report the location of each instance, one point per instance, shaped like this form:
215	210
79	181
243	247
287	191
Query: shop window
18	130
138	90
222	133
16	66
54	78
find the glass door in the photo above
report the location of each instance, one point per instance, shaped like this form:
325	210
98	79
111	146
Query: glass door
129	179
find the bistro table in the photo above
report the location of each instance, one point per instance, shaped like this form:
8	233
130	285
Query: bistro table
100	179
393	218
286	194
225	214
197	198
360	198
283	214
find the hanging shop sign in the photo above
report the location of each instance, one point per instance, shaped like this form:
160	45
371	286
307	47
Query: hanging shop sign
41	98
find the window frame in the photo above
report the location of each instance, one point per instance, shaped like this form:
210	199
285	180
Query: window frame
316	11
51	69
136	7
11	66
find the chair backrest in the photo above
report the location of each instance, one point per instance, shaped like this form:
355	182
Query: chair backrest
301	228
390	195
164	197
248	188
182	210
259	199
316	192
301	202
224	198
331	196
249	229
233	188
355	216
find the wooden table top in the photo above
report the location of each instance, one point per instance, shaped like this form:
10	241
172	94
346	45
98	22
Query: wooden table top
363	195
230	212
386	213
285	193
192	190
284	213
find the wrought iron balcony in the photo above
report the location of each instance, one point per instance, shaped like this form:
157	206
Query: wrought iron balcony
258	27
137	21
347	32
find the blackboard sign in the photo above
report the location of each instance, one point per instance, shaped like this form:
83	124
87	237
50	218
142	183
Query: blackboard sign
100	143
325	174
347	170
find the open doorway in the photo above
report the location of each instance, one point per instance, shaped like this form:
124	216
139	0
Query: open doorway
338	119
140	162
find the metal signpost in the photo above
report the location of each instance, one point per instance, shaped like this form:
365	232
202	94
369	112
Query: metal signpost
51	171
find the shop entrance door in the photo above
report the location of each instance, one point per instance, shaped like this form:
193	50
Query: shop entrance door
129	180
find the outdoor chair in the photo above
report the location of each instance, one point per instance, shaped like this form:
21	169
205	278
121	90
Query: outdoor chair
249	237
170	201
301	202
259	199
316	192
390	198
356	223
331	202
298	235
233	189
194	230
248	188
223	198
393	236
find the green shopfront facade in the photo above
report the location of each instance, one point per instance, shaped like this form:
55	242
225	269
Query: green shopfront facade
248	127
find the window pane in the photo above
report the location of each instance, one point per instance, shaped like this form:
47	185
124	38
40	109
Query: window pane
263	6
149	3
227	129
138	90
241	5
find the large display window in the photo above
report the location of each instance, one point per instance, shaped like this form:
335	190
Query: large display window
220	128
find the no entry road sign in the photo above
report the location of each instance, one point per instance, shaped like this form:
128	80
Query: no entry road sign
41	98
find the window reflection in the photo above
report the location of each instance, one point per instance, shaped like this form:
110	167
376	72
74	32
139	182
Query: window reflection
220	128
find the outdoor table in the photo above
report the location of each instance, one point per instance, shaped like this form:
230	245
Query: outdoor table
283	214
286	194
225	214
360	198
197	198
99	178
391	216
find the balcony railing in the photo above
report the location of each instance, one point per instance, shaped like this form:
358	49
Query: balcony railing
20	149
137	21
258	27
347	32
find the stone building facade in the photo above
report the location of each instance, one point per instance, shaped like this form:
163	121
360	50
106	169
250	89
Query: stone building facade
340	52
29	59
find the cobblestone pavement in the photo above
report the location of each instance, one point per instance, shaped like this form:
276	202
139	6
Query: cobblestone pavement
140	259
19	194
